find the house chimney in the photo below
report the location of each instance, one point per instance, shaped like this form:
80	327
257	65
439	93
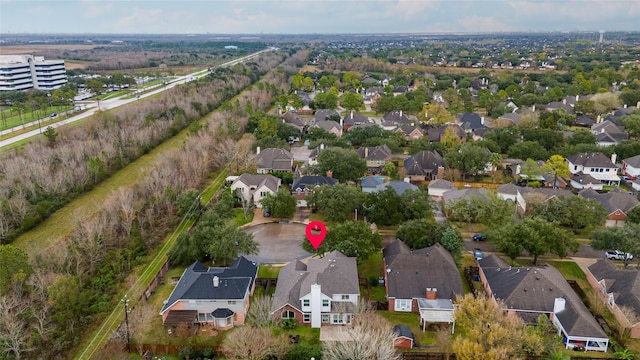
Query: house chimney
614	157
366	152
533	108
482	120
577	98
258	150
216	281
400	113
351	114
638	105
625	106
558	305
598	119
321	146
329	173
316	306
407	180
564	101
440	173
432	293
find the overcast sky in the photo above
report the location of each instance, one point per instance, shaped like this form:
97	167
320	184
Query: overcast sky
316	16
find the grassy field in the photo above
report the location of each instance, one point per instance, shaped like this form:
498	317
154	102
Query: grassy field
9	119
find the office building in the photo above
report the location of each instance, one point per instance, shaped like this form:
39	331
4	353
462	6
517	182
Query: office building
23	72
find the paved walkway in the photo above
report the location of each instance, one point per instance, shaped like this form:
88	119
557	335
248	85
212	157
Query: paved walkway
584	263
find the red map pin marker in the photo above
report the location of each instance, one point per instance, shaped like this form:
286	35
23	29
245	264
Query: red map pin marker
316	239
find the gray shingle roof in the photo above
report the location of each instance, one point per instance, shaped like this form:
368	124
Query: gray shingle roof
381	152
412	272
423	163
594	159
323	114
336	273
467	194
310	182
328	125
274	159
398	186
633	161
623	283
396	117
612	200
535	289
196	283
440	184
257	180
471	121
355	119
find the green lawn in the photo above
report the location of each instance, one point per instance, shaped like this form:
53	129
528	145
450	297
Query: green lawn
268	272
239	217
413	322
10	119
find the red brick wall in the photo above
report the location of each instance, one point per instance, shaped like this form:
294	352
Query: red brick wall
298	315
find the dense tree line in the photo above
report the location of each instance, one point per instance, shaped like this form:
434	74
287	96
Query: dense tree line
73	281
39	179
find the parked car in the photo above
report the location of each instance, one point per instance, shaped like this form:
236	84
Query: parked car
266	212
54	115
478	254
479	237
617	255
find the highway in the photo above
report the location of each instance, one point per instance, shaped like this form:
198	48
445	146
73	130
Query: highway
119	101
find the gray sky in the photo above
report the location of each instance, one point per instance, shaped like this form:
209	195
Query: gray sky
315	16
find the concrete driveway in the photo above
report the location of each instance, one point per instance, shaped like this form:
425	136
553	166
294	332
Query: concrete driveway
279	242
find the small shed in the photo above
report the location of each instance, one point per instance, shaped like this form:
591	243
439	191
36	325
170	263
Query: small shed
405	339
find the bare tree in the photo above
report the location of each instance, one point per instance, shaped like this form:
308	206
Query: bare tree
140	322
259	314
254	343
370	337
14	339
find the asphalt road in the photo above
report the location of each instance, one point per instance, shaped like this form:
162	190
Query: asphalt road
585	251
115	102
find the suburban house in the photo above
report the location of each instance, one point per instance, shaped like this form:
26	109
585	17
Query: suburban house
400	187
273	160
631	167
215	296
438	133
323	291
471	121
586	181
410	132
330	126
424	281
508	119
293	119
617	202
354	119
607	133
529	292
305	185
376	157
394	119
619	289
547	178
370	184
325	114
253	187
468	194
424	166
524	196
439	186
595	164
405	339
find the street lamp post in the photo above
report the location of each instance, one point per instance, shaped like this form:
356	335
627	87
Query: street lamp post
125	301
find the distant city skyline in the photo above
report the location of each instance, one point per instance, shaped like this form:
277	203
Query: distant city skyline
316	16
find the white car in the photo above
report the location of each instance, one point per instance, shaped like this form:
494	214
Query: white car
618	255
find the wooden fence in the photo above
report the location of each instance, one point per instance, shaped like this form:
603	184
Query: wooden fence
157	280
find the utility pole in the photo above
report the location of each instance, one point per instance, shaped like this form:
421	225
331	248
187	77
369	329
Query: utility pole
125	301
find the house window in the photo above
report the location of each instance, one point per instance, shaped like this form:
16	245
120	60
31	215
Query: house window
325	302
325	318
344	297
305	302
263	193
575	168
611	301
306	317
201	317
229	321
337	319
288	314
403	305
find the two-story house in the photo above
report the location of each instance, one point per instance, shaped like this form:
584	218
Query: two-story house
595	164
375	156
323	291
273	160
424	281
424	165
631	167
617	202
253	187
214	296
